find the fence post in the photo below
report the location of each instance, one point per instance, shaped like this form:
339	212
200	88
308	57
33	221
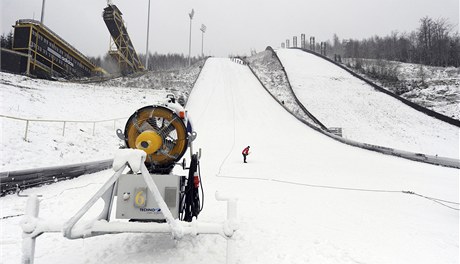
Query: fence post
63	129
27	128
94	127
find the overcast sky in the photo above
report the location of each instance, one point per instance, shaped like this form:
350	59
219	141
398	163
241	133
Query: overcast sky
233	26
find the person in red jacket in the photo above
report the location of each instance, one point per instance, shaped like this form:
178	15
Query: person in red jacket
245	153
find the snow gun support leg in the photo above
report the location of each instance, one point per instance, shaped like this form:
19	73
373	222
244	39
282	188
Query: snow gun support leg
230	226
74	228
28	226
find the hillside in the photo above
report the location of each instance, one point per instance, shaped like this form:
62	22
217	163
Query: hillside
338	99
436	88
302	197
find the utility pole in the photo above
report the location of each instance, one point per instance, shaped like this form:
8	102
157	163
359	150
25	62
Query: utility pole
147	45
190	37
203	29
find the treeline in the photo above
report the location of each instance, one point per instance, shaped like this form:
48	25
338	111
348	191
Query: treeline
157	62
6	40
433	43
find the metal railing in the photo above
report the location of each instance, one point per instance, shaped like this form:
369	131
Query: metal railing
14	181
64	123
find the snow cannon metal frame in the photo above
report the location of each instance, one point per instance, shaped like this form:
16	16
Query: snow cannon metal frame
150	199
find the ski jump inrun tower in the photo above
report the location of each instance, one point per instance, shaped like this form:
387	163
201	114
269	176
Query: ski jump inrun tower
123	49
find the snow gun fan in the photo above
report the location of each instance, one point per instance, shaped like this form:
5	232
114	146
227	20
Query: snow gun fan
161	133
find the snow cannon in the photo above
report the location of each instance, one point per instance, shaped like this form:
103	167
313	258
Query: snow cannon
161	131
147	196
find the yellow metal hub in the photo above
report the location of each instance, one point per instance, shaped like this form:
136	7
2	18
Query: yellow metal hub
149	141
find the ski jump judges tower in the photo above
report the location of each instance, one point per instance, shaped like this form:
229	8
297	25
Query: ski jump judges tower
45	54
123	51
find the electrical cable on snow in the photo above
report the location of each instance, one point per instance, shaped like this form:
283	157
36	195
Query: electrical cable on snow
50	181
73	188
234	133
198	119
336	187
63	191
10	216
436	200
201	186
234	129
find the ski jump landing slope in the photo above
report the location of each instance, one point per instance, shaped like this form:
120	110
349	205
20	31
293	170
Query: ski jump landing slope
366	115
283	220
293	206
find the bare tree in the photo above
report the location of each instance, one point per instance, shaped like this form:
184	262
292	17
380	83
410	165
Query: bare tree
433	43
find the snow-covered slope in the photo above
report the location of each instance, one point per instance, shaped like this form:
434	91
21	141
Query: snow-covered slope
28	98
270	72
291	207
179	81
366	115
436	88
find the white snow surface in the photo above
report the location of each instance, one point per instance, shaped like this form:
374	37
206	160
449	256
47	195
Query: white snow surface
287	210
134	157
28	98
338	99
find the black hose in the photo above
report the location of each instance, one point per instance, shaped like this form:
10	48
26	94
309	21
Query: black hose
201	186
190	201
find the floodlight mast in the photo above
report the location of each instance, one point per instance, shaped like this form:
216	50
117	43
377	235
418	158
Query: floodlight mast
147	45
191	14
203	30
43	12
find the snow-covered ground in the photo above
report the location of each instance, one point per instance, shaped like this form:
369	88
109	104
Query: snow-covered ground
436	88
366	115
270	72
289	208
179	81
44	100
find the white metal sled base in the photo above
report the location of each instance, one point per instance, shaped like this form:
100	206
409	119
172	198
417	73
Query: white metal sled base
33	226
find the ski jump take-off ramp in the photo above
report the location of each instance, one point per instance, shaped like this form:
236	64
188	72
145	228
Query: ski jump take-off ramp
303	197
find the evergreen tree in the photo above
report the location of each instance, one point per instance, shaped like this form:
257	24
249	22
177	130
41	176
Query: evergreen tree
6	41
